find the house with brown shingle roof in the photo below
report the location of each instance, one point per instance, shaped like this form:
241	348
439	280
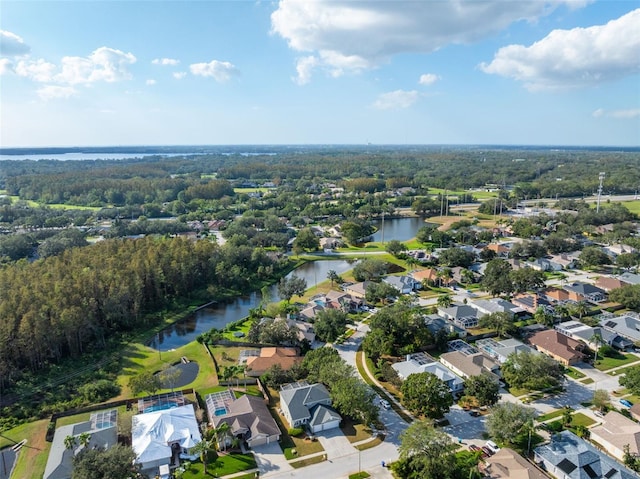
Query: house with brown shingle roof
430	275
560	347
508	464
466	365
615	432
499	249
556	295
285	357
608	283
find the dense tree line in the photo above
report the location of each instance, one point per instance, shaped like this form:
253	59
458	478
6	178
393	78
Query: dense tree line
66	304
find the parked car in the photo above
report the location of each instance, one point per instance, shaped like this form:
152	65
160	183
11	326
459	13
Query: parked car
492	446
626	403
474	413
385	404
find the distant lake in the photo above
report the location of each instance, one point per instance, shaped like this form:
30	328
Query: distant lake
401	229
85	156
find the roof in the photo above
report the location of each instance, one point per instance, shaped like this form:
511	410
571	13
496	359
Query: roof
299	398
285	357
495	305
608	283
59	463
557	344
421	363
322	414
618	431
625	325
430	274
470	364
153	432
249	413
458	311
502	349
580	460
584	288
508	464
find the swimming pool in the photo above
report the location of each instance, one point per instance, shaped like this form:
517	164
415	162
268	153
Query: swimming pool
221	411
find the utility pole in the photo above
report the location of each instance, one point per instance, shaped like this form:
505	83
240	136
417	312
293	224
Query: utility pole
601	178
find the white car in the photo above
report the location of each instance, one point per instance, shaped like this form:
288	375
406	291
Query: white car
385	404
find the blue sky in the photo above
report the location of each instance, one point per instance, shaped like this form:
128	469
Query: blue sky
558	72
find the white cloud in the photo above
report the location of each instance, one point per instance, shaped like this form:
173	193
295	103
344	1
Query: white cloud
220	71
6	66
104	64
618	114
179	75
150	82
165	61
12	45
428	79
350	36
38	70
51	92
395	100
304	67
574	58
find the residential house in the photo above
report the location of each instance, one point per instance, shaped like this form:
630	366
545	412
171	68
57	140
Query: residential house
566	260
530	302
308	404
616	432
158	436
508	464
615	250
635	411
466	364
330	243
630	278
285	357
404	284
435	323
587	292
544	264
357	290
102	428
625	325
463	275
567	456
500	249
560	296
517	264
560	347
462	315
608	283
587	334
501	350
423	363
495	305
249	420
430	275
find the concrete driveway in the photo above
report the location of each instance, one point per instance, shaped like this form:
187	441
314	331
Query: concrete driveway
463	426
270	459
335	443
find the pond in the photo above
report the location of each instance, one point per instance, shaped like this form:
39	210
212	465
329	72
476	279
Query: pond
401	229
220	314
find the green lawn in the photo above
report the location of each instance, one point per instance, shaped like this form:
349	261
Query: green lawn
620	372
633	206
223	465
551	415
580	419
237	328
574	373
32	459
604	364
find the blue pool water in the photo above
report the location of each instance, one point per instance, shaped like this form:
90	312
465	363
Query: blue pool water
221	411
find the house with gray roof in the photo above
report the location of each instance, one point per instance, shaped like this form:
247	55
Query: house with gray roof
501	350
630	278
102	428
404	284
569	457
625	325
461	315
586	334
423	363
495	305
435	323
303	403
249	419
588	292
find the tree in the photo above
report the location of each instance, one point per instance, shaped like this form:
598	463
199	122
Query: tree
532	371
380	292
431	448
354	398
501	322
526	279
355	231
484	388
146	381
332	276
168	376
369	270
628	296
425	393
507	421
631	379
444	301
70	442
601	399
116	462
453	257
329	324
593	256
203	448
596	339
542	316
395	248
306	240
567	416
288	287
84	438
496	279
579	309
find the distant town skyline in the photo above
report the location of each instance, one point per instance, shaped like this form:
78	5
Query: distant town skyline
539	72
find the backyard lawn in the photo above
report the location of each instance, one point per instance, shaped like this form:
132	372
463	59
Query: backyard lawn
33	457
225	464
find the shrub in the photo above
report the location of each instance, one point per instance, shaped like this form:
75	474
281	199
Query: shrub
99	391
295	431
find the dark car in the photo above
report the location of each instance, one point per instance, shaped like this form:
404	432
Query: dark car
474	413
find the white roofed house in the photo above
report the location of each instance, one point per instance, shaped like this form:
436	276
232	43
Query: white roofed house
423	363
404	284
495	305
501	350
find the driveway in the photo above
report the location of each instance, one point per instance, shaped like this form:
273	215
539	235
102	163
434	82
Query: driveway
270	459
463	426
335	443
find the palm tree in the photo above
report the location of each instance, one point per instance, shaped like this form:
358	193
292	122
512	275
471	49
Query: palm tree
580	309
542	316
598	341
221	430
84	439
70	442
227	373
529	427
332	276
202	449
445	301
